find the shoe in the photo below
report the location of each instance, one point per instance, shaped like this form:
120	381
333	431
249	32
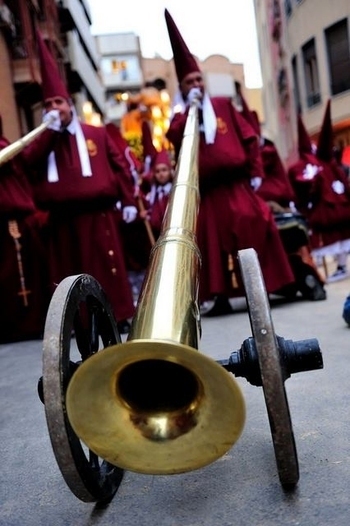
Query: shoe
339	274
123	326
313	290
221	307
346	311
204	307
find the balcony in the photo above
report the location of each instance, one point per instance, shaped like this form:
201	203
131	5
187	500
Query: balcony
81	65
72	16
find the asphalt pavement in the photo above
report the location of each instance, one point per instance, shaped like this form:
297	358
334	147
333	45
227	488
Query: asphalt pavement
241	488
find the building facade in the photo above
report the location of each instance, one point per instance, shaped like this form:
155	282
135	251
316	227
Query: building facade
65	25
124	71
305	60
100	71
319	53
121	70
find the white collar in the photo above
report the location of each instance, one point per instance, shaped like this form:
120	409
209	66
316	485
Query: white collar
209	118
74	128
165	188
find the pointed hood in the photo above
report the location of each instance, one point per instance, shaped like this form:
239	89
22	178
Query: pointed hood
162	157
115	133
3	141
250	116
149	150
325	139
122	145
304	142
51	82
256	122
184	61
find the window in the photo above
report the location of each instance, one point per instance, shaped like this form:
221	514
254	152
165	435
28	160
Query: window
297	99
338	50
312	83
123	68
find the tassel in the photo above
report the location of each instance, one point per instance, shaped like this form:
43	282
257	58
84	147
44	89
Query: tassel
15	234
231	268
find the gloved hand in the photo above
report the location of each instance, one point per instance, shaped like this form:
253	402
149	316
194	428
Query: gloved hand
129	214
194	93
54	117
255	183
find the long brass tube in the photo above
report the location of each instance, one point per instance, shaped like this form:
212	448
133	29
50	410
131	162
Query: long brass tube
16	147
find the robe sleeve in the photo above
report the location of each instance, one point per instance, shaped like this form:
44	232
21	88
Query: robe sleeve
250	142
35	155
176	131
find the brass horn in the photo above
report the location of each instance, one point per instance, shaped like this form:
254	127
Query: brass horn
13	149
154	404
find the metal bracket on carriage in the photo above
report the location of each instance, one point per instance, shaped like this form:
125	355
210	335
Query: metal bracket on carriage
295	357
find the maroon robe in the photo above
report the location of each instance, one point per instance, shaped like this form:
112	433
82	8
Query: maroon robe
323	196
277	188
22	314
157	202
231	215
276	185
302	178
84	233
157	214
136	239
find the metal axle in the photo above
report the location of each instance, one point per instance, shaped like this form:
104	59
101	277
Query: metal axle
295	357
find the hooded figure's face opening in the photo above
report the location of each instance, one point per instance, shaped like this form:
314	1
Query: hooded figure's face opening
192	80
62	105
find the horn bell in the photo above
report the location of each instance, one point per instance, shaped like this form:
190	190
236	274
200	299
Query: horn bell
155	407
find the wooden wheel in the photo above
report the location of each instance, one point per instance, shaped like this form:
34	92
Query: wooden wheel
78	308
270	368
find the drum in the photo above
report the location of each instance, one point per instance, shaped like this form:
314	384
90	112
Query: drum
293	230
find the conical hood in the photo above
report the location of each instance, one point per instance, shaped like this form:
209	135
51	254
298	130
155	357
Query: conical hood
184	61
3	141
162	157
51	81
122	145
304	142
249	115
325	139
149	150
115	133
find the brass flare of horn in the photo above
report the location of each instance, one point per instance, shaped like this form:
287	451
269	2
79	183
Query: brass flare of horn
154	404
16	147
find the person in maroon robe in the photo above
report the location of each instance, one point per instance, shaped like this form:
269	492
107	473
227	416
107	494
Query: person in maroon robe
278	193
78	175
231	216
137	235
275	187
24	290
323	196
157	185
